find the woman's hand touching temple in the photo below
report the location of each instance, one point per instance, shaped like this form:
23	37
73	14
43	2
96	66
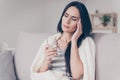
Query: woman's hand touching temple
77	33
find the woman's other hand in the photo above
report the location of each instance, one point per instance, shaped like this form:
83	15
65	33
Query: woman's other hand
49	52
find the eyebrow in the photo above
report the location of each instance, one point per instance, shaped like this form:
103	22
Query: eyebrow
72	16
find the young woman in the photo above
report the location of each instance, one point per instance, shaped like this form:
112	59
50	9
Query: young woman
74	56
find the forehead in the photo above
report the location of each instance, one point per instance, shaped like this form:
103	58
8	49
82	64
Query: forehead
73	11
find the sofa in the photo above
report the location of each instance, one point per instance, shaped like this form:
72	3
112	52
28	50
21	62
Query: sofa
15	64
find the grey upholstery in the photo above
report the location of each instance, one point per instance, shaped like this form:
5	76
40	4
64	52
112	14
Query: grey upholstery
6	66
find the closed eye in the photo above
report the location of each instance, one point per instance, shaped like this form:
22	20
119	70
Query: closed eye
66	15
74	18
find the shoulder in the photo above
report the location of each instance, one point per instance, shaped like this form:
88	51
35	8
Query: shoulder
88	40
88	46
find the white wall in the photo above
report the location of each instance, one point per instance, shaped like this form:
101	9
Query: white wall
28	16
39	15
23	15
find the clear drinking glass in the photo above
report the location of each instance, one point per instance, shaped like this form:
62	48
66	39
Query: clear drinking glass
52	43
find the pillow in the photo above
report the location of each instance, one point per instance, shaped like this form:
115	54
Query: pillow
6	66
26	49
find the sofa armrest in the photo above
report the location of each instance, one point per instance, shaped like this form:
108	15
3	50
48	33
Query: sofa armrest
12	50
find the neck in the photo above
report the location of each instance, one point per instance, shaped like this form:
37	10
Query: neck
66	36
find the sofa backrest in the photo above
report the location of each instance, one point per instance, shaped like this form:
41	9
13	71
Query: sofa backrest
107	56
26	49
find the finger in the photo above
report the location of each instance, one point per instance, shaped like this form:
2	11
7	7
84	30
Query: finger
51	53
47	46
48	58
51	56
48	51
79	20
79	27
52	49
80	24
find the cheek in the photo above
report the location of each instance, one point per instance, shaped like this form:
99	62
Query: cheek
74	27
63	19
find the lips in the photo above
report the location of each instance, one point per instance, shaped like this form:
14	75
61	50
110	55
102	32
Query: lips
66	26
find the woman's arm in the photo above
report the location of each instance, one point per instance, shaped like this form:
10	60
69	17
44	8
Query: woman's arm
39	69
75	62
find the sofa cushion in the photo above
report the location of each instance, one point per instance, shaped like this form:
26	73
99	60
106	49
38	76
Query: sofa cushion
107	56
26	49
6	66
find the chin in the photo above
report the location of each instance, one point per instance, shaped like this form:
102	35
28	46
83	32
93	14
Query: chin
65	30
68	31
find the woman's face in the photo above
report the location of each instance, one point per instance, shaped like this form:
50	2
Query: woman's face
70	19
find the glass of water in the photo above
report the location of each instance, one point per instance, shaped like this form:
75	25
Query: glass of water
52	42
